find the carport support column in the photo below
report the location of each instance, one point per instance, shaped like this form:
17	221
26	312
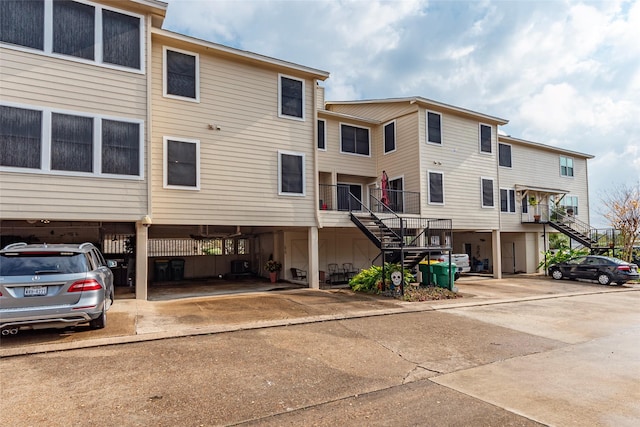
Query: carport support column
496	249
313	275
142	264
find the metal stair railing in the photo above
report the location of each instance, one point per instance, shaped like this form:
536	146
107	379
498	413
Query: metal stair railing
581	231
382	226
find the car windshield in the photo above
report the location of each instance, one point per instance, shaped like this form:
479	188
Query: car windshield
30	264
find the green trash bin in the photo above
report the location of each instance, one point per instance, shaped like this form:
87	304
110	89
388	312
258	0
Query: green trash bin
444	278
161	270
428	273
177	269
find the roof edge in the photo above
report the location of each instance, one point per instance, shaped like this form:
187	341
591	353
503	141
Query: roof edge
249	56
428	103
506	138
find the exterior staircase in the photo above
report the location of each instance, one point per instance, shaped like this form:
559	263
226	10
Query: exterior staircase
593	239
405	240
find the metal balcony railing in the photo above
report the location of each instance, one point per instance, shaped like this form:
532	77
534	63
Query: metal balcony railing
337	198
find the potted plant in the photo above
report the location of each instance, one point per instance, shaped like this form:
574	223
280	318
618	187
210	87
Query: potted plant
536	212
273	267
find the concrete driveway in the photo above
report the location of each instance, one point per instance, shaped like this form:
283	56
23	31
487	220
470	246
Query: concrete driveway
560	353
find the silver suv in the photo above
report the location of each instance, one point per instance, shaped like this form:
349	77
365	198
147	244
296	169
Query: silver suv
53	286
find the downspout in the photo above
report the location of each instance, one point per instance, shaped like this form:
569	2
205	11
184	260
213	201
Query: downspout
142	230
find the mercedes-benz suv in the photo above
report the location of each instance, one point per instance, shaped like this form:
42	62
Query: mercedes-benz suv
53	286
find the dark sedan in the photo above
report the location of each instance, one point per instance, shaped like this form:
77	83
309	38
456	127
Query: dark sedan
604	269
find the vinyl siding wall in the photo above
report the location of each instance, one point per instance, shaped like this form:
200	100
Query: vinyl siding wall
239	162
463	166
37	80
539	167
332	160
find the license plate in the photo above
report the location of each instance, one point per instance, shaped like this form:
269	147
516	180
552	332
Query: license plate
35	291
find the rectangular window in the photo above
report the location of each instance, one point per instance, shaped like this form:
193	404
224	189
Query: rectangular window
322	137
120	148
504	155
74	29
354	140
570	204
487	192
485	139
566	166
434	128
436	188
121	39
22	23
229	247
390	137
71	143
181	74
90	32
63	141
291	179
20	137
291	100
181	163
243	246
507	200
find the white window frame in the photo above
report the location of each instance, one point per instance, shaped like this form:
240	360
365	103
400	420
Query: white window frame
573	168
510	155
384	137
566	206
286	116
488	153
511	209
426	117
45	154
325	136
354	126
304	178
493	189
48	38
429	172
164	74
165	159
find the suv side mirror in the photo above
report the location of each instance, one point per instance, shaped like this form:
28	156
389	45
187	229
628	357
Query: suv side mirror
111	263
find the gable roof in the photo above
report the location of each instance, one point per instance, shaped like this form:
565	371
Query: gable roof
243	55
512	140
428	104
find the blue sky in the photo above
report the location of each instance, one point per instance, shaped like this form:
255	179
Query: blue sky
564	73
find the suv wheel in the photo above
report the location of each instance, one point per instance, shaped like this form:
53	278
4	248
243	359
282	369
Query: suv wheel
101	321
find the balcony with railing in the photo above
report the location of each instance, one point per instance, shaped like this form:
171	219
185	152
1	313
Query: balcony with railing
337	198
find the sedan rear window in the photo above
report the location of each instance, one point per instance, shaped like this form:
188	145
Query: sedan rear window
30	264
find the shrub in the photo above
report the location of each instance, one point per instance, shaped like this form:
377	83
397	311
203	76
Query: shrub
370	280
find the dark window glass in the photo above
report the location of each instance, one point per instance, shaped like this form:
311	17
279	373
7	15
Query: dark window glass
73	29
71	143
389	137
22	23
525	204
504	154
436	188
181	74
291	97
20	137
507	200
345	201
434	130
487	192
485	138
182	160
291	174
28	264
355	140
120	148
120	39
321	135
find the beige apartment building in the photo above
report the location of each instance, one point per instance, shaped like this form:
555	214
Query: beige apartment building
188	159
